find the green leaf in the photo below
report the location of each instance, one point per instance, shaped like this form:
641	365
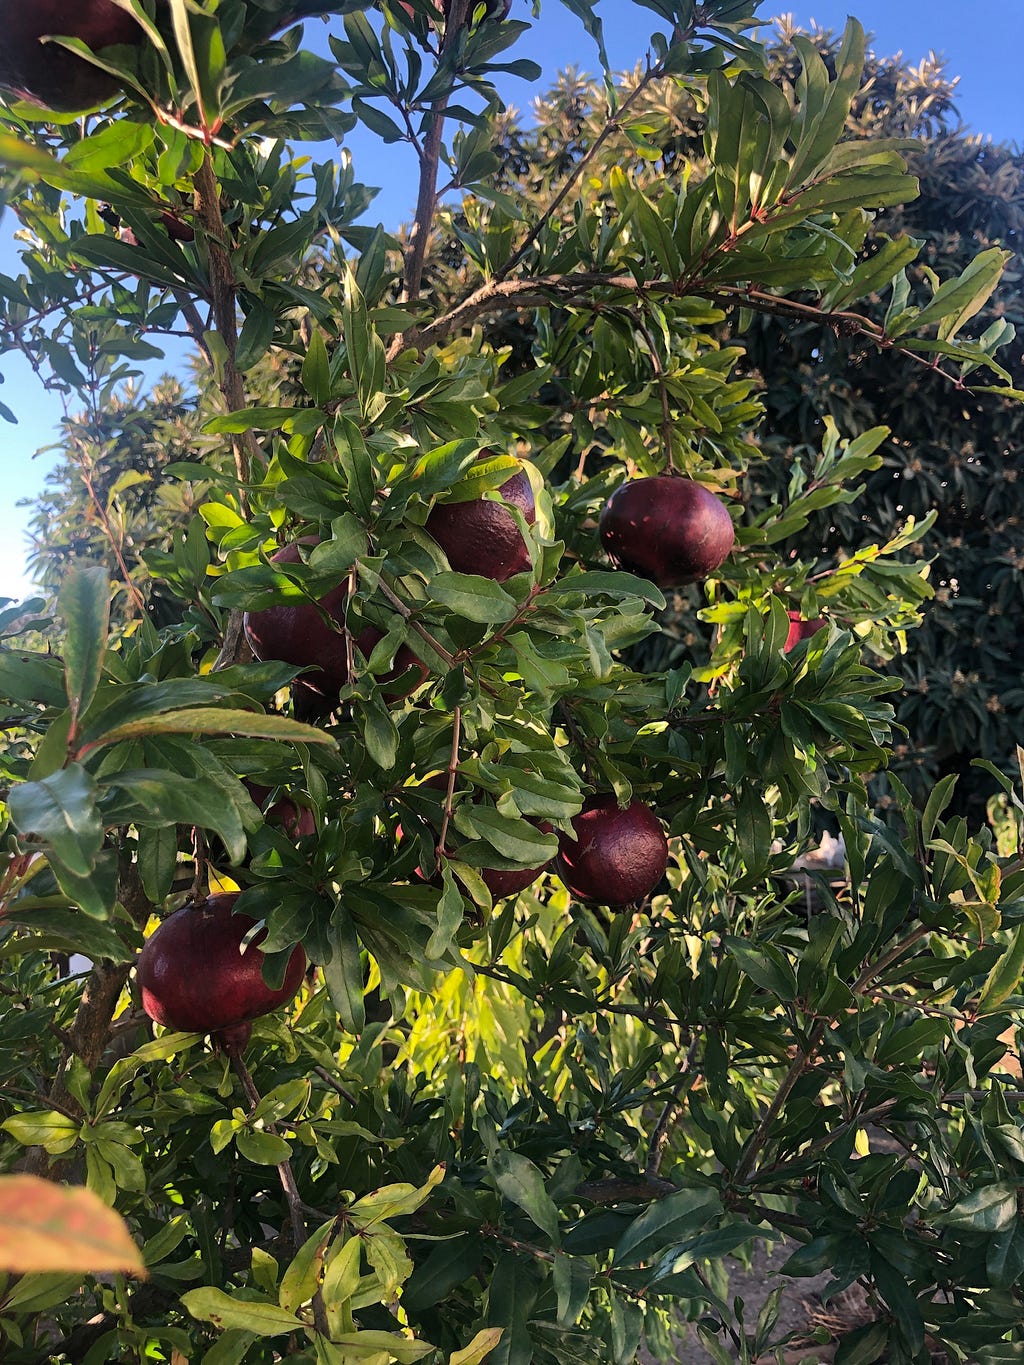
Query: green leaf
520	1181
226	1311
988	1209
343	974
904	1043
316	370
473	597
302	1278
447	1266
665	1223
511	1295
515	839
765	965
609	583
61	811
958	300
450	913
1004	978
51	1130
203	720
572	1277
263	1149
84	605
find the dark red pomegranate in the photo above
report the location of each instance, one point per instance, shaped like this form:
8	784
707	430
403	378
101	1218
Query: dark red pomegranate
480	536
500	882
670	530
295	820
194	977
619	854
799	629
48	74
233	1040
297	634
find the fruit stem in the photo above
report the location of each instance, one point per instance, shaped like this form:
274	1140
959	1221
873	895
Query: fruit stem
673	1108
284	1168
659	374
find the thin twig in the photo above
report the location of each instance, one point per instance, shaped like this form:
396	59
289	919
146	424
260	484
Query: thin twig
325	1075
613	125
407	615
453	772
673	1108
288	1184
457	13
659	374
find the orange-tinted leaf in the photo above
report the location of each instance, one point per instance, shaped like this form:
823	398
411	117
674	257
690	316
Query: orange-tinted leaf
47	1227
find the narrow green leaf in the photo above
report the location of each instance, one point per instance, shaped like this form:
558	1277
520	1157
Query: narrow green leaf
61	811
226	1311
204	720
663	1224
988	1209
473	597
84	605
1004	978
520	1181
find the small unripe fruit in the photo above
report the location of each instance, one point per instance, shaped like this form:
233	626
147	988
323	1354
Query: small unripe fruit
194	976
669	530
48	74
480	536
619	854
799	629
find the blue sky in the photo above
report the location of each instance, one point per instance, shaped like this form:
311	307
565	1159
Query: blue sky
982	42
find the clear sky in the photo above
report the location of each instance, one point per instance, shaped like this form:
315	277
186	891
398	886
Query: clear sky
981	40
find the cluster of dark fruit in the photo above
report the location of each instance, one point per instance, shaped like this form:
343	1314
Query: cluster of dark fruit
667	529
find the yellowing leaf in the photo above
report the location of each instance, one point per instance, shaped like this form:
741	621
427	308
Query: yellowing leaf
482	1344
46	1227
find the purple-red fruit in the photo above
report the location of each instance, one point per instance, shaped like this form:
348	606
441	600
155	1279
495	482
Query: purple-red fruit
296	821
799	629
669	530
500	882
194	976
619	854
233	1040
480	536
297	634
48	74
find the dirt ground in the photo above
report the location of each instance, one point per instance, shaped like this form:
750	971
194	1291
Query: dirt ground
799	1304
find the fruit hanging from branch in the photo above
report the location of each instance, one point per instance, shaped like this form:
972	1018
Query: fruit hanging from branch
619	854
500	882
47	74
799	629
481	536
194	974
299	634
667	529
296	821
